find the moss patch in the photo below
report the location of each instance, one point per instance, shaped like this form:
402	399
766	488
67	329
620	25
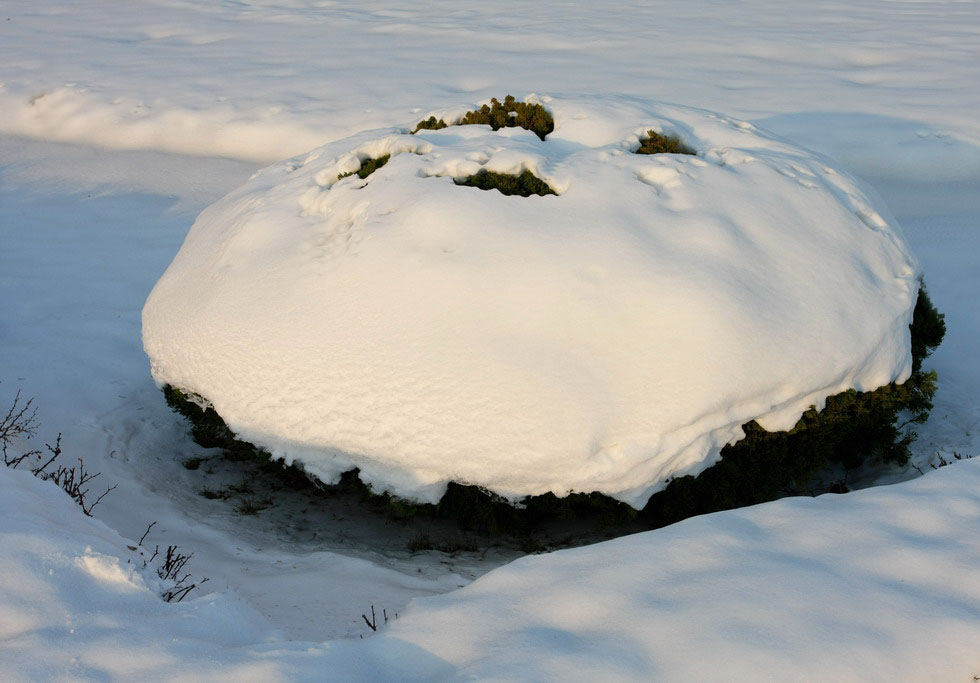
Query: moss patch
655	143
507	114
430	123
523	185
368	166
854	427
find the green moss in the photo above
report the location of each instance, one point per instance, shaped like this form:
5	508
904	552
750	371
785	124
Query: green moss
207	427
655	143
524	184
430	123
511	114
507	114
853	428
368	166
928	329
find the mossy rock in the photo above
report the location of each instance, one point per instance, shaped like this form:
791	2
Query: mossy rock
507	114
655	143
853	428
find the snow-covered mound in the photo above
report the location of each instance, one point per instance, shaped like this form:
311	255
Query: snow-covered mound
603	339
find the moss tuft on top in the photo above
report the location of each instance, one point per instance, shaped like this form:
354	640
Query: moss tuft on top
368	166
430	123
507	114
655	143
524	184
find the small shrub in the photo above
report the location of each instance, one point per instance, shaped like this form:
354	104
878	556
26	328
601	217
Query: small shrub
655	143
430	123
73	480
524	185
20	422
373	621
172	569
511	114
507	114
941	461
368	166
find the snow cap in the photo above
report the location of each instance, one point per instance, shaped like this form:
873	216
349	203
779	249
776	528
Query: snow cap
605	338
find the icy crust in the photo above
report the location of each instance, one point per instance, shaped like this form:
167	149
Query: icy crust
604	339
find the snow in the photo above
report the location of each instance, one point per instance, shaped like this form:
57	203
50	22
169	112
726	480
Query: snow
801	589
99	184
605	339
881	581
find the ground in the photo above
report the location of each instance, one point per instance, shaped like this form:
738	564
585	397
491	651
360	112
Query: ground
120	126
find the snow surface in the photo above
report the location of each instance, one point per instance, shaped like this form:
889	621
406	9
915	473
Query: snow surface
605	339
889	89
880	583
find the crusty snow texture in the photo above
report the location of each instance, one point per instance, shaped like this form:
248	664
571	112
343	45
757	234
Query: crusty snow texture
604	339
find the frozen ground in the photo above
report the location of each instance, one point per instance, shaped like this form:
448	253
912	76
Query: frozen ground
98	188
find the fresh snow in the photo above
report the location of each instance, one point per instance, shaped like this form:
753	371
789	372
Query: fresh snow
111	115
605	339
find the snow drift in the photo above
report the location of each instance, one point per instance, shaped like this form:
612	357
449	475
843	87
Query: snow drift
880	583
604	339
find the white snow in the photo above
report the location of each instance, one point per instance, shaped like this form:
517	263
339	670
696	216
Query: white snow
110	115
605	339
878	583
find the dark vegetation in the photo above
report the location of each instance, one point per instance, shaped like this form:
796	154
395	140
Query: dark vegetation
368	166
430	123
372	623
507	114
524	184
20	423
172	568
853	428
655	143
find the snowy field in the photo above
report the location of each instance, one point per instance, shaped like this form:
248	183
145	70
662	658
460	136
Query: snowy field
120	122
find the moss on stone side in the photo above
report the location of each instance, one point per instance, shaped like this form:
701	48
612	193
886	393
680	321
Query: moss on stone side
853	428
